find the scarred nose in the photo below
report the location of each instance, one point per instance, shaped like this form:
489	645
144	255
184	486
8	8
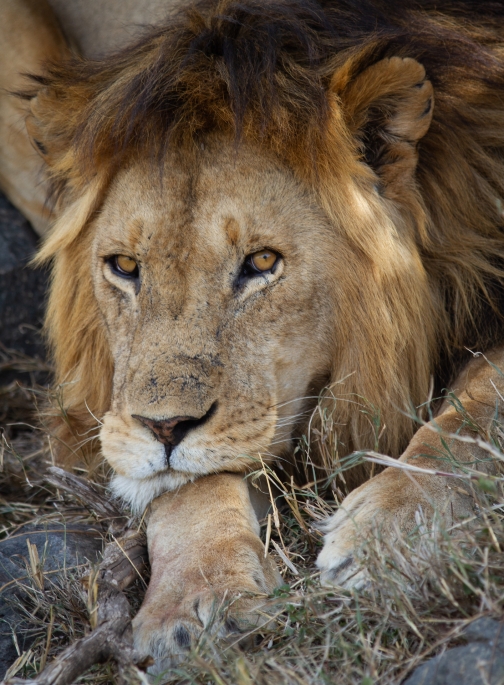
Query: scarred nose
172	431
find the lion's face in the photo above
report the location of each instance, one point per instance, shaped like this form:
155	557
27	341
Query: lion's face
214	357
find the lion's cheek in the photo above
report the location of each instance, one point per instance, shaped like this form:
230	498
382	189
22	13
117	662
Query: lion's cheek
131	450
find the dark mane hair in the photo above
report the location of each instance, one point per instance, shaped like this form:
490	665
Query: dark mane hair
265	68
262	72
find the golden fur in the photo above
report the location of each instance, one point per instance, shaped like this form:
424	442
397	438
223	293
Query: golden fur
369	157
29	36
91	117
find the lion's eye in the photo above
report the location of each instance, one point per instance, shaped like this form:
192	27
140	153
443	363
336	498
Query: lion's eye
263	260
124	266
260	262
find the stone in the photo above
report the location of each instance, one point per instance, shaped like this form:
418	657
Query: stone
22	288
479	662
60	547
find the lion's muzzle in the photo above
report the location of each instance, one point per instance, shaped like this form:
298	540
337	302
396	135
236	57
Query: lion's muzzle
172	431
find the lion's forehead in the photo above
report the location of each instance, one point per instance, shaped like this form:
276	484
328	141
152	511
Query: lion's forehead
222	200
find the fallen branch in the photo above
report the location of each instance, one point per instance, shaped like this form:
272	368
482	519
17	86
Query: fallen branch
85	491
112	637
125	559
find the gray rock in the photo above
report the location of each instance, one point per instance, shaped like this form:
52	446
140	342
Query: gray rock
480	662
22	288
59	547
17	240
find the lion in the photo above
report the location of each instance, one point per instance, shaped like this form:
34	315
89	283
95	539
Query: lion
255	207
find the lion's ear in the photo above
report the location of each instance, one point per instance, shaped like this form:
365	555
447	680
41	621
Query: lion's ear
77	188
51	127
388	109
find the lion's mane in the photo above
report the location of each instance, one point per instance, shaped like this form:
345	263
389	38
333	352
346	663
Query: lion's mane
275	74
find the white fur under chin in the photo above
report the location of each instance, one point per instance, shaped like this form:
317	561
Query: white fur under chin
138	494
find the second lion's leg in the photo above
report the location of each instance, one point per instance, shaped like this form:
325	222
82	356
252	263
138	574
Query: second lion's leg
205	555
390	500
29	36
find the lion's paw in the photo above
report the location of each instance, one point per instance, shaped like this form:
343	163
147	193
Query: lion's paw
167	632
173	618
337	561
385	505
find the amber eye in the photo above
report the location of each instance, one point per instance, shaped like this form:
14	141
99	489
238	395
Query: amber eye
257	263
263	260
124	266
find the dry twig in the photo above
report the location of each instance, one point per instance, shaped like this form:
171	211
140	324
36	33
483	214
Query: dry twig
112	637
85	491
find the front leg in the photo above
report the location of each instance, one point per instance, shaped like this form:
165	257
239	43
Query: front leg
205	553
390	500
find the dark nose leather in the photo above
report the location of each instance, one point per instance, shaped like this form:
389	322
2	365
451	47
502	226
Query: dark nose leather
166	430
172	431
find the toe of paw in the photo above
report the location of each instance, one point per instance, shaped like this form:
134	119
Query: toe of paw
346	574
231	626
181	637
167	644
338	572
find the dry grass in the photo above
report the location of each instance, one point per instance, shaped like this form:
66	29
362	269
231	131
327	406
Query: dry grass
421	594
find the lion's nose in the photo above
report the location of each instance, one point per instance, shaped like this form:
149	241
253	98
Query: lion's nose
172	431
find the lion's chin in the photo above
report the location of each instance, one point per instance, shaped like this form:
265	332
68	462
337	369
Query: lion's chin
138	493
